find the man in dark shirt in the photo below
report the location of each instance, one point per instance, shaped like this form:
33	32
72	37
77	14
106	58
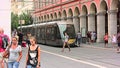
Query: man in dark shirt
20	35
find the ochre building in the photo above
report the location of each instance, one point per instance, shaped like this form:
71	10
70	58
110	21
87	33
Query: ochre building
102	16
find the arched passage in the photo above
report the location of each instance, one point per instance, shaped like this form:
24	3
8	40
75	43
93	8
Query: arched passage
64	15
47	17
102	21
92	18
84	18
44	18
41	18
115	7
104	9
51	17
59	15
70	16
55	16
76	19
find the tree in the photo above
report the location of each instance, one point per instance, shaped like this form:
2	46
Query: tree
14	21
27	17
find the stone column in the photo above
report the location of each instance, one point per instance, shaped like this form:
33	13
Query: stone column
112	23
82	21
70	19
76	23
91	22
100	26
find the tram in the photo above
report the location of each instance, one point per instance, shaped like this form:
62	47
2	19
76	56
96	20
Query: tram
51	33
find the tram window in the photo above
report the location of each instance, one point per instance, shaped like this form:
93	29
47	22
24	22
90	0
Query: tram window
71	31
57	33
48	33
52	33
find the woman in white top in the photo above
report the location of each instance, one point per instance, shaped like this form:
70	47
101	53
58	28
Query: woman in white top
114	40
15	54
66	38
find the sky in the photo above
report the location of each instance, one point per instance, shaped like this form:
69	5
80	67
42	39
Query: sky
5	17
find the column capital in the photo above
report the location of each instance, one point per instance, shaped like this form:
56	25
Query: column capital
75	16
91	14
101	13
64	18
70	17
82	15
112	11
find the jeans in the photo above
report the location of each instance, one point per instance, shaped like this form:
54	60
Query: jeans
13	64
30	66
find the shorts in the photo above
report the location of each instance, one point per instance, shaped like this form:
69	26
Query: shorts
106	41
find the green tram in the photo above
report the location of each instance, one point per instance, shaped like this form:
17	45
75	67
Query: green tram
51	33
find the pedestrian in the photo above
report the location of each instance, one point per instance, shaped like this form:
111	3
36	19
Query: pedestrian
3	46
28	38
33	56
15	54
78	37
20	35
66	38
106	40
89	37
118	41
114	40
92	37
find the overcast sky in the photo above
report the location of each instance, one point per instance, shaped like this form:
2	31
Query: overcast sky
5	19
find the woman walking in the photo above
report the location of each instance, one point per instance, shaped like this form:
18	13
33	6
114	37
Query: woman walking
114	40
33	56
106	40
66	42
15	54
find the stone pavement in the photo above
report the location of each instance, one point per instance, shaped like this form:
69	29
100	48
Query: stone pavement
99	45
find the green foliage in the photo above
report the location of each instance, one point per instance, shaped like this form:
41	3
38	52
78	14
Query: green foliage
14	21
26	17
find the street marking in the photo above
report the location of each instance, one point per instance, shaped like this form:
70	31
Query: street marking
92	64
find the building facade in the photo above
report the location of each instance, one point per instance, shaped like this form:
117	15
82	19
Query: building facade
22	6
102	16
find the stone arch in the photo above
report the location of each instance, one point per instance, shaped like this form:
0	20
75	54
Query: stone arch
76	12
51	16
41	18
44	18
93	17
64	15
70	16
70	13
59	15
104	9
84	18
76	19
47	19
115	6
55	16
84	10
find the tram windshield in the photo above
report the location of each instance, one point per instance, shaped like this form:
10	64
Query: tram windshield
69	28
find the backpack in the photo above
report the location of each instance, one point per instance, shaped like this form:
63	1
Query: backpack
3	41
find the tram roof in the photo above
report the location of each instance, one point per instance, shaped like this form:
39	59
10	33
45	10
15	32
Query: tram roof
55	22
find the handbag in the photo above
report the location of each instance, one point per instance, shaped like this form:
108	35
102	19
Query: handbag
6	53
